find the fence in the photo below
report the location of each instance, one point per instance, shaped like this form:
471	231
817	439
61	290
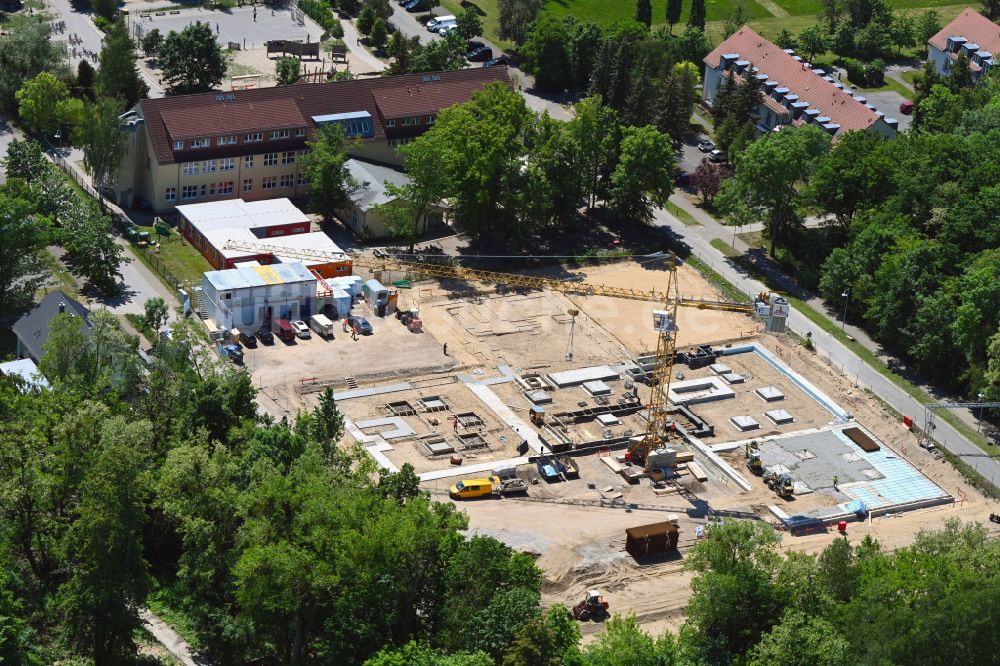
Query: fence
121	222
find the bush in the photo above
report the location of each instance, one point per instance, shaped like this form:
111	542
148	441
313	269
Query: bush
864	74
320	11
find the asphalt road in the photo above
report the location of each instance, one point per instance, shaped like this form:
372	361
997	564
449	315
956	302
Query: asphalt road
842	358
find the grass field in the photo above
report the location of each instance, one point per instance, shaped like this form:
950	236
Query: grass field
179	257
766	16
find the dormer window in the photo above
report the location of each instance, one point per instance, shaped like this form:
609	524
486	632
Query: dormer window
200	143
390	123
178	145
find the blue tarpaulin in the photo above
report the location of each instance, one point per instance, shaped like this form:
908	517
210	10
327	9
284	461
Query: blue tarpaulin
858	507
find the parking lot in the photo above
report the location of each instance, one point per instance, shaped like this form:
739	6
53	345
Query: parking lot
390	350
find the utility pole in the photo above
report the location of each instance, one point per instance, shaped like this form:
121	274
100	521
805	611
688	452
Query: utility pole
847	297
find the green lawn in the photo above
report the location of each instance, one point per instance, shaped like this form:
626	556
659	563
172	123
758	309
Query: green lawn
177	256
685	217
891	84
723	247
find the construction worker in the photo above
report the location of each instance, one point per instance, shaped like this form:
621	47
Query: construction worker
835	479
446	349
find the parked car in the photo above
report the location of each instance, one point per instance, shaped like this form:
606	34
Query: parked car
234	352
906	108
480	53
360	325
283	329
445	29
683	179
265	335
416	5
301	329
247	339
499	60
718	156
706	146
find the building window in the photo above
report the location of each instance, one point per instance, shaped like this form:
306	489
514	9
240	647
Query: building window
253	138
248	162
300	132
302	179
227	140
288	158
226	187
391	122
287	180
280	134
392	143
211	189
248	184
190	168
227	164
277	232
204	190
431	119
171	194
178	145
209	166
189	192
200	143
270	183
270	159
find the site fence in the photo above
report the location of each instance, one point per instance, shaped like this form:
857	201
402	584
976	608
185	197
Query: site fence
122	223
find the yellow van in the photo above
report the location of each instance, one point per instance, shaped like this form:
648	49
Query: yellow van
473	488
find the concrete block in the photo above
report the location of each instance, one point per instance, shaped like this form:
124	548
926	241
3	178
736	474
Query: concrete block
770	393
779	416
744	423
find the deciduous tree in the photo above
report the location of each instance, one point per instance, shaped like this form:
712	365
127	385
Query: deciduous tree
103	143
468	23
325	167
192	60
287	70
643	178
38	103
516	18
117	75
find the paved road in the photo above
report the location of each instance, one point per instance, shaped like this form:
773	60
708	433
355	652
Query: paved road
6	136
698	240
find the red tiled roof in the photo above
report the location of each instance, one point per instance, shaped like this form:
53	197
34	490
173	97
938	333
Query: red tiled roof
236	117
293	106
771	59
775	106
972	25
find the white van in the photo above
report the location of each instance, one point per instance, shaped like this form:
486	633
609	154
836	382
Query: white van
444	27
435	23
322	325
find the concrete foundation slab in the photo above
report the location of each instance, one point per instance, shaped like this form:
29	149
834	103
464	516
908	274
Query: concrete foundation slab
770	393
569	378
733	378
440	448
744	423
596	388
779	416
539	397
401	429
695	391
608	420
720	368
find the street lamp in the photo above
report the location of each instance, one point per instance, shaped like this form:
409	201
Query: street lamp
58	136
979	423
847	297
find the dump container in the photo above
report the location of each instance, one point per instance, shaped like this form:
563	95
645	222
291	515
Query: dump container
283	329
651	539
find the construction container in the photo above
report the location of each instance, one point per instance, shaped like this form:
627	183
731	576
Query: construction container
651	539
321	325
341	301
376	295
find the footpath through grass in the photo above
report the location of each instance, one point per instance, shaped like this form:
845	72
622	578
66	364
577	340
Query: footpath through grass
865	354
685	217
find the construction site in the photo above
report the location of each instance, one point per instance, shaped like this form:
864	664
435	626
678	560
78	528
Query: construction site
603	419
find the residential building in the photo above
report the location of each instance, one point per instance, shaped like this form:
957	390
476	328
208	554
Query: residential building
795	93
248	144
970	33
276	223
252	297
363	215
32	330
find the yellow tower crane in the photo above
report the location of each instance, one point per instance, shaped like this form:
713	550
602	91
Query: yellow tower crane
664	320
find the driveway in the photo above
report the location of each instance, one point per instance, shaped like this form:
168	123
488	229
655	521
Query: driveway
888	101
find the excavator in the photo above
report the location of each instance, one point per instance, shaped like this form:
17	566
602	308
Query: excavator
774	309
